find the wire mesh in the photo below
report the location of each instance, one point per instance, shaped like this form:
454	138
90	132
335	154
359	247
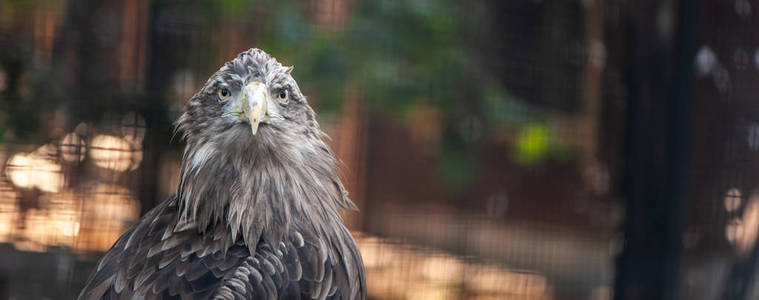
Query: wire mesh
497	150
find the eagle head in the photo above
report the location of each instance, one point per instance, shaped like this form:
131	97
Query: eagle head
254	91
255	159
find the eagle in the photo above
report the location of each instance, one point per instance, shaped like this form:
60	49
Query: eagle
256	211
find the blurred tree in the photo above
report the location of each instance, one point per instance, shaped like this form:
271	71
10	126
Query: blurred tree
398	54
401	54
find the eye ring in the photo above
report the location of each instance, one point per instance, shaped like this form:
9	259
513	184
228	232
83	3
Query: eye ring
224	94
283	96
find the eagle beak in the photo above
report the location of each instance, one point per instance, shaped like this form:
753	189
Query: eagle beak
254	104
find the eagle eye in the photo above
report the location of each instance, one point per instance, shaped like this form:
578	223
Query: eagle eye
283	96
224	94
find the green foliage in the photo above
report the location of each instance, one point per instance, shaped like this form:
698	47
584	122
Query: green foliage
504	109
533	144
536	143
399	54
407	51
396	52
458	164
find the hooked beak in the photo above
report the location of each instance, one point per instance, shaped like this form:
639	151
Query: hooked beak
254	104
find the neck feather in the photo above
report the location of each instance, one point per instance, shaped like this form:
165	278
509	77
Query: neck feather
260	186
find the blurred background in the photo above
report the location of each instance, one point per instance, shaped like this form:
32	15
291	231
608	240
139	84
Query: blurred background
524	149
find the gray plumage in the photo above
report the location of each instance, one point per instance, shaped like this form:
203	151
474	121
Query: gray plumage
256	212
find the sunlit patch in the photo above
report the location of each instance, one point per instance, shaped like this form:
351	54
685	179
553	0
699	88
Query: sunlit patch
430	292
73	148
442	268
733	199
89	217
109	210
115	153
37	169
734	230
65	219
55	223
35	234
742	232
401	271
9	213
65	214
491	280
375	253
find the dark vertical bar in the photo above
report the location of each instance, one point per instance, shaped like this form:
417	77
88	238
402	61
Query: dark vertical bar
154	85
680	141
657	151
161	49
